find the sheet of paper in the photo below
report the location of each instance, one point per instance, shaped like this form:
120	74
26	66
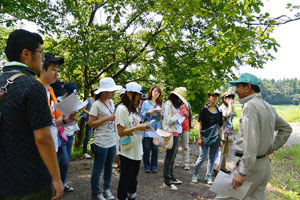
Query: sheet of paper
70	105
223	185
152	133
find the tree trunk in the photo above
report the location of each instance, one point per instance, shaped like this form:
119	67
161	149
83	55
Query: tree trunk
80	134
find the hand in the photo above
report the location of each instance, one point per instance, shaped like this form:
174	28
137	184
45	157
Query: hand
200	142
58	189
142	127
151	112
71	118
111	117
193	125
158	110
238	181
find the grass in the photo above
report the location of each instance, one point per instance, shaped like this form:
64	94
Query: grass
285	179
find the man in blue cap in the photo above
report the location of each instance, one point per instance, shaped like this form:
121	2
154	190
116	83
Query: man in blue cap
255	141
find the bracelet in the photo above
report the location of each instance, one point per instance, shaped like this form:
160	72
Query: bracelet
63	120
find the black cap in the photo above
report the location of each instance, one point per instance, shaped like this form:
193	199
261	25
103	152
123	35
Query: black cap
58	89
50	58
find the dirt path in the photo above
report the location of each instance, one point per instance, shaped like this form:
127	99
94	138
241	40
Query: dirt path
150	185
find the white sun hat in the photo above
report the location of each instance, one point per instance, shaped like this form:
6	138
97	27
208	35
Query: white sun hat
107	85
134	87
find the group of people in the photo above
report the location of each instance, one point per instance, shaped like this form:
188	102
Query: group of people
36	139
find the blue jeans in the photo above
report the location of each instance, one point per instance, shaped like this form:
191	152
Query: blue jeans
63	161
170	160
147	147
213	149
88	135
104	157
70	145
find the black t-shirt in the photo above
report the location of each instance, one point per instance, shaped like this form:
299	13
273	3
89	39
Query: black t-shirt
209	119
24	109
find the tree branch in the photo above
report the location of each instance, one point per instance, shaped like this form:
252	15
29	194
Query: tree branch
94	12
136	55
111	64
278	23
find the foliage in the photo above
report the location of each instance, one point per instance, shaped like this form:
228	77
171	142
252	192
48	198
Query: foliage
286	91
174	43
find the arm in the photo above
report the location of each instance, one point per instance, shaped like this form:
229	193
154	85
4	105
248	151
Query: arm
85	110
93	122
251	129
200	141
122	131
60	121
284	131
168	117
45	146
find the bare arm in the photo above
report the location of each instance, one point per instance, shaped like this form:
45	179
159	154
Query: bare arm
122	131
93	122
45	146
85	110
200	141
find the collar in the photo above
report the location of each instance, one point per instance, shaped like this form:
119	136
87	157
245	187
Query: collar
247	98
10	66
208	104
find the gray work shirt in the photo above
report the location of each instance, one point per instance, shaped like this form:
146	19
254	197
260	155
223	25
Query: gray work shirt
255	137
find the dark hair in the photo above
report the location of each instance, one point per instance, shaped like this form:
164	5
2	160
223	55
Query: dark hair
21	39
92	91
126	101
46	65
223	100
98	96
255	88
159	99
174	99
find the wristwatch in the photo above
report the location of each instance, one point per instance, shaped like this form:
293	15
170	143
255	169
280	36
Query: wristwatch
64	121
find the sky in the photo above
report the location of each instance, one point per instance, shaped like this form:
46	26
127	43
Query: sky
287	58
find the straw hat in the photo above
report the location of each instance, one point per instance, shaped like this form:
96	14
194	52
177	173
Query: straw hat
181	93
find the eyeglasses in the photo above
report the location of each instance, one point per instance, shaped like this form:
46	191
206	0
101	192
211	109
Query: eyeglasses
41	52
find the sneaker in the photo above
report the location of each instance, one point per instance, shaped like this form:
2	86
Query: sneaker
208	179
147	170
187	166
194	178
171	186
87	156
98	197
108	195
176	182
68	188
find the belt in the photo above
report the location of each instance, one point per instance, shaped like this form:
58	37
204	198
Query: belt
240	154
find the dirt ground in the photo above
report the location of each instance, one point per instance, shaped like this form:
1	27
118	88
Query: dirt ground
150	185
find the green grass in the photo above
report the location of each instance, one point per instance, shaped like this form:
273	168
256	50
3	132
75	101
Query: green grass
285	179
290	113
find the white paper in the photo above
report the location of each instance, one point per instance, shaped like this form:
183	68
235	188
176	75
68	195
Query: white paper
70	105
223	185
152	133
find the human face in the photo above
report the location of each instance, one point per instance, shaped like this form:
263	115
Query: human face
155	93
108	95
50	75
213	98
242	91
136	99
36	60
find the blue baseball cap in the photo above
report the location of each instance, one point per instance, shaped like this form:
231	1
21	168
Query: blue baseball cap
70	88
246	78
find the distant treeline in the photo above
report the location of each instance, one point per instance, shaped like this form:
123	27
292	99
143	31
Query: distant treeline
286	91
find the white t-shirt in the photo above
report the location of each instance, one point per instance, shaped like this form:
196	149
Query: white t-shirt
128	120
105	134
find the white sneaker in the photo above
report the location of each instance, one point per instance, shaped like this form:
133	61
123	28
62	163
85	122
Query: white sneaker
99	197
87	156
108	195
187	166
171	186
